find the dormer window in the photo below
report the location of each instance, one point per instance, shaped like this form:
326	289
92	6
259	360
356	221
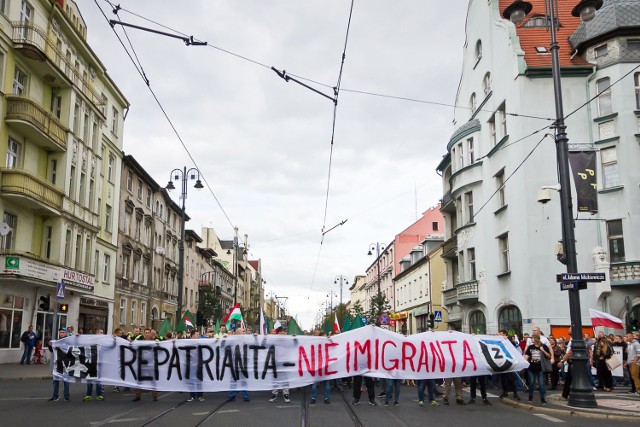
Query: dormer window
601	51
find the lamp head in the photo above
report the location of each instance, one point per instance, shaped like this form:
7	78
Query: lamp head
369	253
170	186
586	9
198	185
517	11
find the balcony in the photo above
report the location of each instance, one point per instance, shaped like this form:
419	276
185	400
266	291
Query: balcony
33	43
467	291
446	204
450	249
625	273
31	192
34	122
450	296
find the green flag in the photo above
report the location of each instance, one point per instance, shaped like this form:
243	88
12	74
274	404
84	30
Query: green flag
164	328
186	322
293	328
347	323
328	327
357	322
217	331
267	327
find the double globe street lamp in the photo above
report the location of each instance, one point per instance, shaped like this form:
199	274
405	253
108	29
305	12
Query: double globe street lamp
184	175
581	394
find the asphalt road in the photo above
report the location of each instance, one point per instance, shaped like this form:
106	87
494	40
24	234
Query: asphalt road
24	403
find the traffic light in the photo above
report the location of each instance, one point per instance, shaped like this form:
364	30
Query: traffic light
44	302
63	308
634	325
431	320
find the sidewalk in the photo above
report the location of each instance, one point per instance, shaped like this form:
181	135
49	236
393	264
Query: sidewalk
16	371
615	405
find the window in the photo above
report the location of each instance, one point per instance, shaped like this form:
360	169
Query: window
56	105
435	225
601	51
477	323
143	313
53	171
20	80
123	311
500	188
110	168
636	78
145	273
96	264
136	270
478	51
107	218
8	241
134	309
47	241
11	309
149	197
473	102
468	198
605	105
127	223
503	245
106	268
609	158
94	135
616	240
486	84
92	190
72	183
471	257
510	319
76	119
67	248
78	257
130	182
633	45
460	155
539	21
492	130
87	254
139	189
13	154
125	266
83	178
470	151
498	125
114	120
85	129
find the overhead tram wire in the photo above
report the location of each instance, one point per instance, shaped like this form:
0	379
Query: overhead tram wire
164	112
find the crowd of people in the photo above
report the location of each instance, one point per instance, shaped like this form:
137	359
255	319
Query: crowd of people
550	366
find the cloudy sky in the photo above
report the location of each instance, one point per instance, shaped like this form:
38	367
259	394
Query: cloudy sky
263	144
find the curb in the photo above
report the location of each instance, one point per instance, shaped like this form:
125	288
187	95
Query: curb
49	377
570	412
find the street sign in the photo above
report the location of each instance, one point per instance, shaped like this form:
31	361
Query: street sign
581	277
565	286
384	319
437	316
60	290
392	322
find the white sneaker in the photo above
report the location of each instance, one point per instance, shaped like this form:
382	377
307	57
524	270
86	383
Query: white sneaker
274	399
286	398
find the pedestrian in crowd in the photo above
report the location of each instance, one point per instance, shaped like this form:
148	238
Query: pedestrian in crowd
507	379
480	379
231	396
566	388
555	370
326	391
534	354
28	338
135	335
601	354
633	362
357	390
195	395
70	331
457	383
62	333
393	386
149	369
618	345
99	388
430	385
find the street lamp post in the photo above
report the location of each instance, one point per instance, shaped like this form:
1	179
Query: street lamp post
581	394
184	175
343	281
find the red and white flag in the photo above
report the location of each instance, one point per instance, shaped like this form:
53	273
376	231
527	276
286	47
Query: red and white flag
599	318
336	325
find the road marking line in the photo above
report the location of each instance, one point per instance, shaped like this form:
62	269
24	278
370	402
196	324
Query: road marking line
288	406
228	411
549	418
198	414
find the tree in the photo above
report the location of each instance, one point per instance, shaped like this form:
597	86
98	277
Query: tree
357	309
379	304
210	306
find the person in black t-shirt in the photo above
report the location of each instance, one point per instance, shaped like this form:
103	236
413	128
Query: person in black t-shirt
534	354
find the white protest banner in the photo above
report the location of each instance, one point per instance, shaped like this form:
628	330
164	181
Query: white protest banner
617	354
266	362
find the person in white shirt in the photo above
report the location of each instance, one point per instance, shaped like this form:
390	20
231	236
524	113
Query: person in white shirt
536	331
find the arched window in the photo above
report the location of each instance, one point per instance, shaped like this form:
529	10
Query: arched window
477	323
473	103
486	83
510	319
478	51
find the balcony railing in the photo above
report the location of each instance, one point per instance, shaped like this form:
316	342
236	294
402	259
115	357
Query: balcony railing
468	290
36	191
39	46
625	272
449	248
24	109
450	296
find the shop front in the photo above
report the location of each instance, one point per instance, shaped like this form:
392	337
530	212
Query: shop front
93	315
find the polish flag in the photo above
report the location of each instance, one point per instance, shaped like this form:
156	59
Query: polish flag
599	318
336	325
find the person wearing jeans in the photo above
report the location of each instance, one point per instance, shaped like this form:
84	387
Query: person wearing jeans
326	391
62	333
392	385
430	385
534	354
